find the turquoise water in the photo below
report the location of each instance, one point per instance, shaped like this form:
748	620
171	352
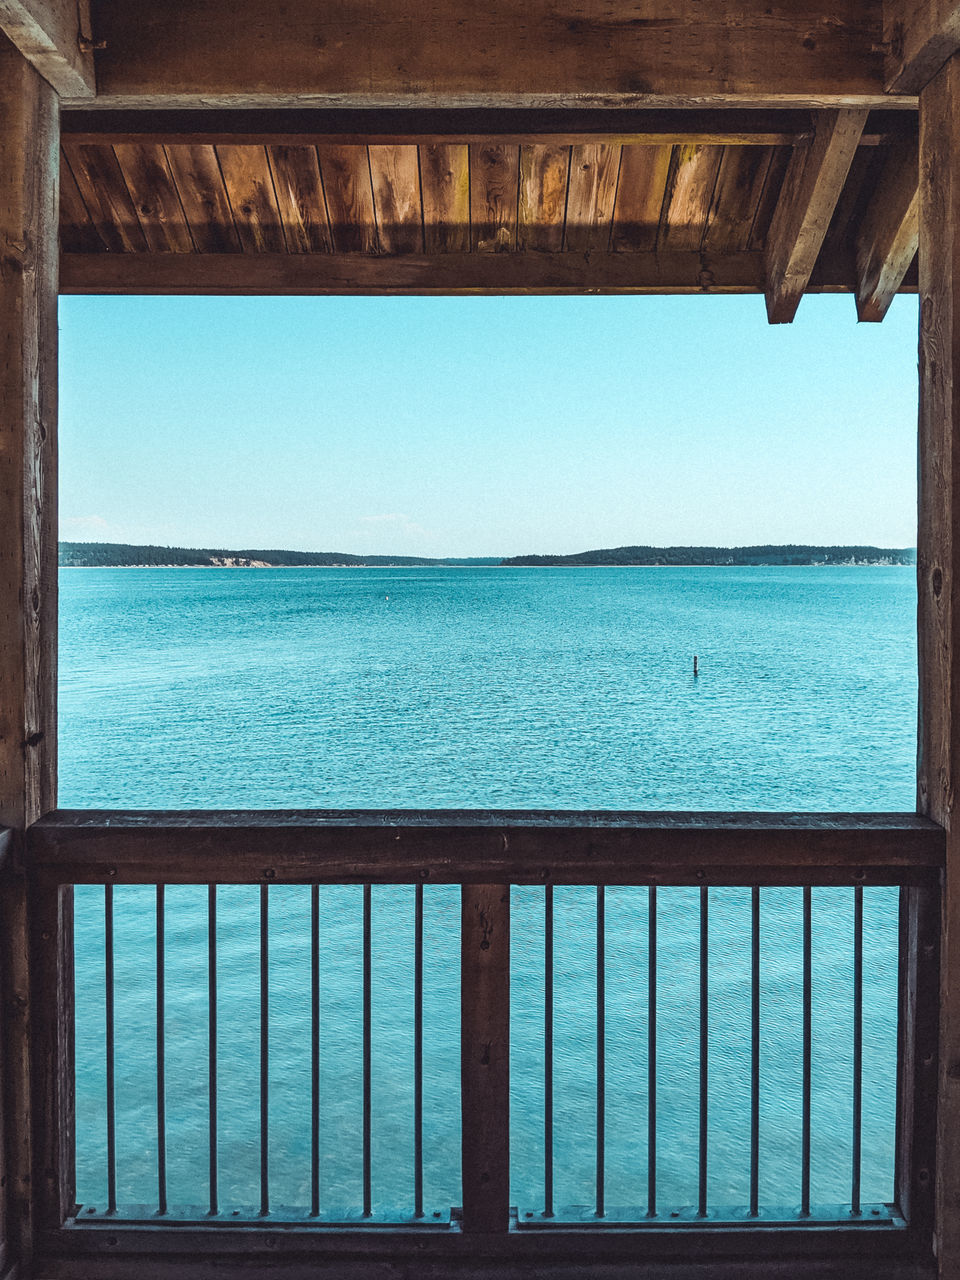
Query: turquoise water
562	689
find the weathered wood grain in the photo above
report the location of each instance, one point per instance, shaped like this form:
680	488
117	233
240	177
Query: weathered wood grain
153	191
29	173
203	196
544	53
100	182
541	211
736	198
485	1057
77	232
249	183
643	180
594	174
938	589
811	188
688	196
445	184
49	34
918	37
889	233
300	199
347	186
395	174
494	186
779	163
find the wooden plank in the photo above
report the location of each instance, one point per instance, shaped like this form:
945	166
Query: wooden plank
485	1057
776	174
16	1019
299	191
919	36
106	197
519	273
888	236
54	37
249	183
494	189
395	175
154	194
415	273
643	181
347	185
445	183
688	196
938	589
547	53
544	173
594	174
486	847
811	189
203	196
312	126
77	232
736	198
51	1044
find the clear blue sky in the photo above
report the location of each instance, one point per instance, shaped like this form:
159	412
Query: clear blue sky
485	426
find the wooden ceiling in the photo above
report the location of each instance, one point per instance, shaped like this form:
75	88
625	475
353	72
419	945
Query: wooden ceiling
658	206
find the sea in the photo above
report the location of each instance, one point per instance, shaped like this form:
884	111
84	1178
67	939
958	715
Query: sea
501	688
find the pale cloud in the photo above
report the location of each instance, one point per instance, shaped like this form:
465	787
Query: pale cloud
84	524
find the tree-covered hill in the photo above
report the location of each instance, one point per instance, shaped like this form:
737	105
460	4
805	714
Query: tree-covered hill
90	555
766	555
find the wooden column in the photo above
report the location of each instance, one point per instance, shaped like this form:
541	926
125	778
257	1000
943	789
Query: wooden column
938	571
29	173
485	1056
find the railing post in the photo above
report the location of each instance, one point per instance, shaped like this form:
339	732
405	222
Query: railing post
485	1056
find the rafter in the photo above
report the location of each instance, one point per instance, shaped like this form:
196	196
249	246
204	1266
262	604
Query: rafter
888	235
55	37
812	186
919	36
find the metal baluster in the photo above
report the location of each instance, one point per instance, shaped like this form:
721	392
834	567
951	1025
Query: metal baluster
548	1052
601	1051
652	1051
212	1044
807	1050
110	1049
161	1060
857	1044
264	1050
315	1050
704	1046
755	1053
418	1054
367	1001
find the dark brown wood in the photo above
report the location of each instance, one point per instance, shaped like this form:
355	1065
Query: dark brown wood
485	1057
442	273
889	233
153	191
52	1074
6	847
299	192
814	180
204	198
594	175
494	183
395	173
48	34
545	53
549	127
736	199
917	1055
16	1028
485	847
77	232
249	183
938	587
919	36
347	186
640	192
101	184
542	207
688	197
445	185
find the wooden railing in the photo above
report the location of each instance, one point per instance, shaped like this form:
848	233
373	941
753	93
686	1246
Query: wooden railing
485	853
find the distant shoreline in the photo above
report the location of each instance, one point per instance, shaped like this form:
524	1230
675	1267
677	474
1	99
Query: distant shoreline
113	555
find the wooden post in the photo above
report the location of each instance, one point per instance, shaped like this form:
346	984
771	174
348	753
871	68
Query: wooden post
938	582
29	176
485	1056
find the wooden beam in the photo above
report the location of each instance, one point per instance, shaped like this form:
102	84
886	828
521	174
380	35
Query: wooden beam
815	177
919	36
544	53
889	233
414	273
938	585
55	37
87	847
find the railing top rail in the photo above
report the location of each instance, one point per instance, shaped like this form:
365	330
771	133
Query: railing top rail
484	846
